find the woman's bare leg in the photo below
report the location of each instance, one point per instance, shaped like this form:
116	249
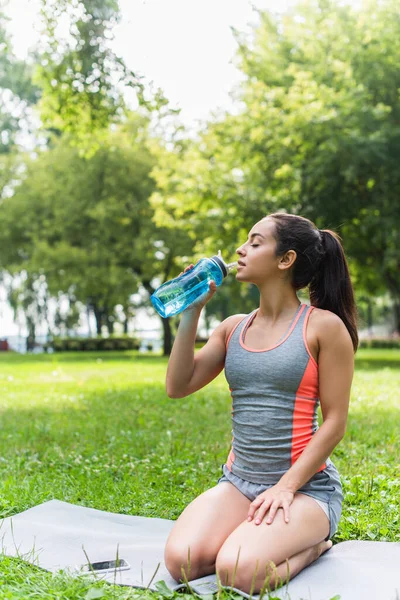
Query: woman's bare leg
287	570
267	551
202	528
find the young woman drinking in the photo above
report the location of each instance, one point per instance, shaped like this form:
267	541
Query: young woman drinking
279	498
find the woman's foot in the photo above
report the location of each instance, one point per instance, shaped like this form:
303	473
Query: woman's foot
315	551
295	564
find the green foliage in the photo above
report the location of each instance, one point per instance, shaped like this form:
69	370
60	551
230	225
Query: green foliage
85	225
82	80
15	74
77	214
92	344
16	91
318	135
315	132
79	220
380	343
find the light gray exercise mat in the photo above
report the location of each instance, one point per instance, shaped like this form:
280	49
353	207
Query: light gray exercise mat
57	535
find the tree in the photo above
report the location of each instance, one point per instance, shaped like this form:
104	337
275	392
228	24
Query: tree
334	85
75	213
71	217
81	79
318	135
28	295
85	223
16	93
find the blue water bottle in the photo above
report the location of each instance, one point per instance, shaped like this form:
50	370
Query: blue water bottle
174	296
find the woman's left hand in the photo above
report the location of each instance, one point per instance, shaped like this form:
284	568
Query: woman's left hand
270	500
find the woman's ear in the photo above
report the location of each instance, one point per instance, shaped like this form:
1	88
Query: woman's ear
287	260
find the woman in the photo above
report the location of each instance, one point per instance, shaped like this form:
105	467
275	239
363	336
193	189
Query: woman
279	499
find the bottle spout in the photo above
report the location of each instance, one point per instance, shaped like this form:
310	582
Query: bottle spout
228	266
231	266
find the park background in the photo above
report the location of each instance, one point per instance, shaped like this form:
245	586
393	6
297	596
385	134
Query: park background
108	189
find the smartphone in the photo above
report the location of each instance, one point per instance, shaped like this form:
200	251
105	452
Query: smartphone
106	566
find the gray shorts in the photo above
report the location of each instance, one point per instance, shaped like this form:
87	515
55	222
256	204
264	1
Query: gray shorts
324	487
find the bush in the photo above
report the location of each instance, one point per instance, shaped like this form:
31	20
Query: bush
97	344
380	343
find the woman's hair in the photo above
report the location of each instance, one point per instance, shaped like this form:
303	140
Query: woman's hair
320	264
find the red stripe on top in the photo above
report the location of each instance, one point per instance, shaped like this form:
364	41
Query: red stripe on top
304	407
231	456
232	332
311	308
230	460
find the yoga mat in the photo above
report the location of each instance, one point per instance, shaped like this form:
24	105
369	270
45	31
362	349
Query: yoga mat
57	535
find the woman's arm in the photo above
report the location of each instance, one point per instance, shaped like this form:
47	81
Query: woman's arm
336	366
187	372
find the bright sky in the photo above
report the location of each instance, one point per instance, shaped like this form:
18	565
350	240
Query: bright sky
184	46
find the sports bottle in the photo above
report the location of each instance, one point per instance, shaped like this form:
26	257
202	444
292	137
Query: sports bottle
173	296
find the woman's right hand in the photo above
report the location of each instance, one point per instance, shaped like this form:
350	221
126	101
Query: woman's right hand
202	300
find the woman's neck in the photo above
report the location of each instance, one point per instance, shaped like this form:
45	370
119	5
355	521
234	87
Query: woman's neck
277	304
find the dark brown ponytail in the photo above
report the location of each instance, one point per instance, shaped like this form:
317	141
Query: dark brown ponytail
320	264
331	287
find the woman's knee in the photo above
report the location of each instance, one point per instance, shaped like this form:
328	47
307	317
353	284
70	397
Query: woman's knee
245	572
176	560
185	562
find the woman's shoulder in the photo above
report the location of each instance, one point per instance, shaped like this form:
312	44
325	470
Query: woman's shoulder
230	323
321	317
327	326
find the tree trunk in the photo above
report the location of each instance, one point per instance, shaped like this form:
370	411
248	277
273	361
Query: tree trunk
396	308
98	313
369	316
31	339
109	323
166	324
167	344
46	315
394	288
125	323
88	308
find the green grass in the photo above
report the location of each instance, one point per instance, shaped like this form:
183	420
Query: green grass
99	430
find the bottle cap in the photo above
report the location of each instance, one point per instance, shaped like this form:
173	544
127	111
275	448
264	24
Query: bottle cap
225	268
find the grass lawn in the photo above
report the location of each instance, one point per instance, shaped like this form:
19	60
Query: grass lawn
99	430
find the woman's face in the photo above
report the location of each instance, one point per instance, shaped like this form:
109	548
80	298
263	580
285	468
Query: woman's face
257	259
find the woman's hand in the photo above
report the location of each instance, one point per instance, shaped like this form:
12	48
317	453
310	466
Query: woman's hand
270	500
202	300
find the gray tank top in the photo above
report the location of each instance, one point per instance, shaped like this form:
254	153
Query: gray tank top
275	400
